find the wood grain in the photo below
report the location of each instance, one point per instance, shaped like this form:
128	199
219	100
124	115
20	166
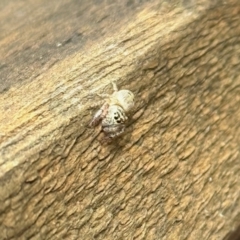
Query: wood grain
174	174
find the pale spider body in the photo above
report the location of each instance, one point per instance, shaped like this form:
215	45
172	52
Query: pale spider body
113	113
123	98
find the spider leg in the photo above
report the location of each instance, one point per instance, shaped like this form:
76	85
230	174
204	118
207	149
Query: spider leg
103	95
99	115
111	133
115	88
114	131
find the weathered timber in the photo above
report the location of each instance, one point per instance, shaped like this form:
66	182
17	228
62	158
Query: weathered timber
233	235
174	174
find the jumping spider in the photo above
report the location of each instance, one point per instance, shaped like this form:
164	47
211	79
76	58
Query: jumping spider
113	113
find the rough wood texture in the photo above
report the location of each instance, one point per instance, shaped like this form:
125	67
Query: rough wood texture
174	175
233	235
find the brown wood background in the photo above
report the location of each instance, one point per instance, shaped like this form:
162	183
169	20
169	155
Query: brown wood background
174	174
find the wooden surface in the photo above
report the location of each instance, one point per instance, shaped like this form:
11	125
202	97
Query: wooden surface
174	174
